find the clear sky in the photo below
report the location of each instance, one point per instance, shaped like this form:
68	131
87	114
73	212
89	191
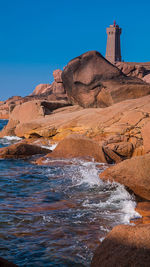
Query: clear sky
38	36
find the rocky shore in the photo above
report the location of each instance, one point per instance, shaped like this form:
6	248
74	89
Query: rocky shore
94	110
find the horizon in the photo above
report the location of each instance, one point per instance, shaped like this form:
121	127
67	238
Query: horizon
38	37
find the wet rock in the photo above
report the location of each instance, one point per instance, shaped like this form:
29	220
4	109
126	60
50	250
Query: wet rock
77	146
143	208
21	150
124	246
5	263
133	173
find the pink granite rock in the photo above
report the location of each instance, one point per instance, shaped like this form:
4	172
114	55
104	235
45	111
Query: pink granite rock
57	76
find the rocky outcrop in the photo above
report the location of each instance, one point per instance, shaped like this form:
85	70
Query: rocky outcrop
41	89
146	78
30	111
146	137
133	173
8	105
124	246
131	69
57	76
77	146
138	70
54	91
91	81
119	126
21	150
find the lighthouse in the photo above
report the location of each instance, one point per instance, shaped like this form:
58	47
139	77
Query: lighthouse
113	49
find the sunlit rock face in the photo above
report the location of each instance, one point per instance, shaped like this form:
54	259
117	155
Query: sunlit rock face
92	81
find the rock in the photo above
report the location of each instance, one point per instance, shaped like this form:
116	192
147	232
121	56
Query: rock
146	137
58	89
138	70
124	246
123	149
77	146
143	208
146	78
7	106
133	173
5	263
119	126
57	76
120	145
91	81
125	67
82	77
55	90
41	89
21	150
111	156
29	111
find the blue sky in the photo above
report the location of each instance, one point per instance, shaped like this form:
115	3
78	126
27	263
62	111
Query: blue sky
38	36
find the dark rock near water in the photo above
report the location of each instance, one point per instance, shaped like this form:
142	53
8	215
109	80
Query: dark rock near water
21	150
77	146
5	263
124	246
133	173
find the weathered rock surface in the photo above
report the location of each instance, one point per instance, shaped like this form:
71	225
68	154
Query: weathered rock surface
21	150
8	105
138	70
134	69
146	137
146	78
54	91
91	81
41	89
77	146
133	173
143	208
30	111
124	246
57	75
119	126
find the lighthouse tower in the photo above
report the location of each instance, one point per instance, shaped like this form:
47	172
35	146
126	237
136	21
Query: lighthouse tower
113	50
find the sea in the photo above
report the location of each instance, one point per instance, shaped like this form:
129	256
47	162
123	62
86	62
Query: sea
57	215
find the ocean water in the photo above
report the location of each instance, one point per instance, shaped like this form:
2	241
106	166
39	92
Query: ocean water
57	215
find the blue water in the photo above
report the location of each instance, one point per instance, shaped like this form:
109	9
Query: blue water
56	215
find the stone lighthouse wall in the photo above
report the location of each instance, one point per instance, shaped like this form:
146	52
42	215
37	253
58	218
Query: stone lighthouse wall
113	49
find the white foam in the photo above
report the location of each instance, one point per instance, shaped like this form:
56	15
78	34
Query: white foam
53	146
12	138
119	200
101	239
87	174
50	147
